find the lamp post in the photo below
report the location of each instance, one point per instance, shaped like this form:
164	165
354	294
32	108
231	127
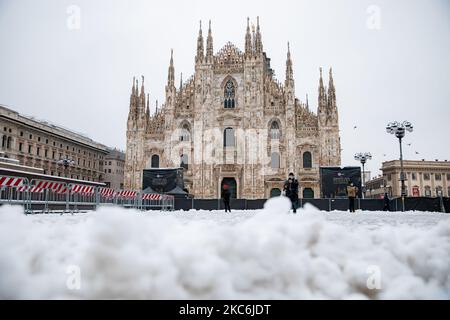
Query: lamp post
399	129
363	157
66	162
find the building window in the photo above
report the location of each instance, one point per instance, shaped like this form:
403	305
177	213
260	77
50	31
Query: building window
9	143
185	134
229	95
427	191
21	133
184	161
438	177
38	151
426	176
39	139
4	141
109	170
228	138
448	178
53	154
414	176
46	141
109	163
155	161
439	192
275	160
29	149
20	146
31	136
307	160
274	131
46	153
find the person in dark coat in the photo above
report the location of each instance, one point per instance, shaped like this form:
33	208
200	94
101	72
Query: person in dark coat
226	195
352	192
291	190
387	206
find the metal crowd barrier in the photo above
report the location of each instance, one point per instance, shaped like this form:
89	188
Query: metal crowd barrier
45	196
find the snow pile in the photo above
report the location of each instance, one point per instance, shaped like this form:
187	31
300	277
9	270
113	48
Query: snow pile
117	253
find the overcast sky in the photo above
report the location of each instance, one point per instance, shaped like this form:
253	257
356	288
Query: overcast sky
391	61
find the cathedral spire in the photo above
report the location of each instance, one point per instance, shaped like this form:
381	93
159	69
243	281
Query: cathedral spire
200	51
248	41
322	95
171	77
289	70
181	81
147	113
331	92
209	45
133	89
258	41
307	102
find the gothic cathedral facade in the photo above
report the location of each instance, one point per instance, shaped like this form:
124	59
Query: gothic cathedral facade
233	123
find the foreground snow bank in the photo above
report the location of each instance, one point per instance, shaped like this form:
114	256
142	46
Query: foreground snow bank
117	253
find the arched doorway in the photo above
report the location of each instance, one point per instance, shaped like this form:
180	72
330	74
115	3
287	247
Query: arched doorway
232	186
308	193
275	192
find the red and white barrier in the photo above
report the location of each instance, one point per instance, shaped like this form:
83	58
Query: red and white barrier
56	187
10	181
127	194
31	189
85	190
151	197
107	192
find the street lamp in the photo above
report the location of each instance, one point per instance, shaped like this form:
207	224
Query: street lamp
363	157
399	129
66	162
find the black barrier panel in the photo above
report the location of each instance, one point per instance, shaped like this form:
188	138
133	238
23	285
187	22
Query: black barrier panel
446	204
422	204
339	204
255	204
206	204
236	204
183	204
321	204
372	204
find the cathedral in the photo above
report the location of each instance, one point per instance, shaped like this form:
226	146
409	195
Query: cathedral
234	123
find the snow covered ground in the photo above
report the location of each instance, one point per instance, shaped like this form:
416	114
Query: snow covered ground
261	254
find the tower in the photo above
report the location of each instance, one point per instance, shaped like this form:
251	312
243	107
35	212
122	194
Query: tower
328	121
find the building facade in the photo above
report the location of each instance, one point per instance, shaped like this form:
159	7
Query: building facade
42	145
234	123
423	178
114	166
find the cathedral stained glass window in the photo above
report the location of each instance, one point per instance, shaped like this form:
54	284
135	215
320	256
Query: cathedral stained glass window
229	95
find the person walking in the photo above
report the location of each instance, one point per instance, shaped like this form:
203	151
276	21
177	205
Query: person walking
352	191
226	198
291	190
387	206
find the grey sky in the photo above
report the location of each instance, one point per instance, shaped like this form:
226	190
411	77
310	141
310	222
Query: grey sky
81	79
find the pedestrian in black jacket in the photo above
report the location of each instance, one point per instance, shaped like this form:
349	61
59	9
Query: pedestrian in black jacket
291	190
226	198
387	206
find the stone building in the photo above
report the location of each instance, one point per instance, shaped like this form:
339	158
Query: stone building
234	123
40	144
423	178
114	166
